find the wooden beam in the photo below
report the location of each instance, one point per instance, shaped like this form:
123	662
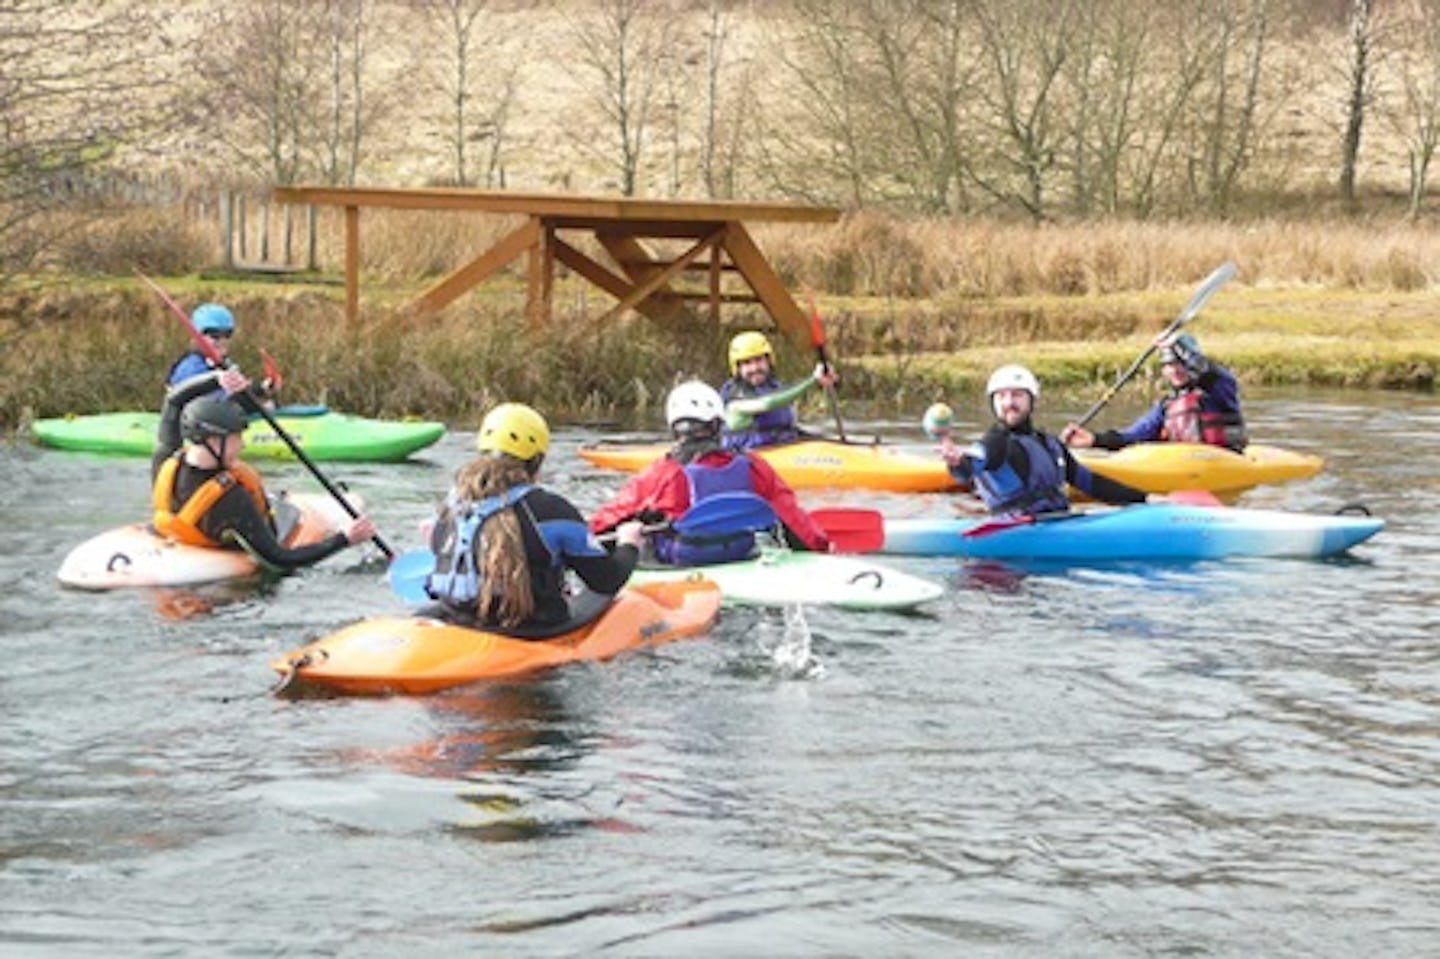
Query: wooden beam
352	263
604	208
660	279
766	283
519	240
602	277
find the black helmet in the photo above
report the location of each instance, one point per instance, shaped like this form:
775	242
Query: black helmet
211	416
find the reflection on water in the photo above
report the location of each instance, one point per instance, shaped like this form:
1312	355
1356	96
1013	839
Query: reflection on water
1236	758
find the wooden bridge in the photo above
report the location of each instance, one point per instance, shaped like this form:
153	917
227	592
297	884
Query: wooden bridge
639	278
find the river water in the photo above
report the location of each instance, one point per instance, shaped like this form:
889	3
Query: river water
1231	759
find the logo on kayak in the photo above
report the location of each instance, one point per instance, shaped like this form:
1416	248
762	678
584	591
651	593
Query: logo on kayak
253	436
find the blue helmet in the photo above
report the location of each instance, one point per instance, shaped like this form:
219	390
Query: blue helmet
213	318
1184	350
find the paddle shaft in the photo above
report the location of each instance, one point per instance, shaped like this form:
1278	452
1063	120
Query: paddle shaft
213	355
817	337
1203	293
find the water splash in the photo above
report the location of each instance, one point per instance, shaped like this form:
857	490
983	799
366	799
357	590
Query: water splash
792	651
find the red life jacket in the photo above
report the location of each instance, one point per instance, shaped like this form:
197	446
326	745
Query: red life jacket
183	524
1186	421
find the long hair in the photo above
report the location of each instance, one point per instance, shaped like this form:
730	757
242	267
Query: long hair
505	594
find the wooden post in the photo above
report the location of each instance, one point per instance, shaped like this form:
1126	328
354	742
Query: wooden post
227	229
312	259
352	263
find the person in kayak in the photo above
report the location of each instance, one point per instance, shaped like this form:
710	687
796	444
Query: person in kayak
1203	406
759	408
502	544
204	495
1019	470
217	324
697	466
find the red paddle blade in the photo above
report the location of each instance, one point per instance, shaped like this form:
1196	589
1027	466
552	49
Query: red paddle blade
851	530
272	369
817	332
998	524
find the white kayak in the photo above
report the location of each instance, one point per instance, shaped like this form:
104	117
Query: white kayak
136	555
779	577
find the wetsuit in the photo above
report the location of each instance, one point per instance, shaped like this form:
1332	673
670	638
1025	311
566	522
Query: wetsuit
662	492
235	514
1212	398
556	539
747	429
1022	470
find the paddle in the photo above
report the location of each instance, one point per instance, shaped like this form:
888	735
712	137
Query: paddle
1203	293
1189	497
817	337
213	355
716	515
850	529
272	371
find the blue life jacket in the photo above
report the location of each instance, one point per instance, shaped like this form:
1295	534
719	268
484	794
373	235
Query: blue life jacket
1043	491
718	547
767	428
456	579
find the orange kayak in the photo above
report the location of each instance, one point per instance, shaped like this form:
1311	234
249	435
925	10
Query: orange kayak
811	464
1167	467
407	654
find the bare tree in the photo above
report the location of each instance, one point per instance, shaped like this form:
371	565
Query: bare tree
261	74
624	46
1359	93
1416	118
74	82
477	85
716	35
1025	45
351	111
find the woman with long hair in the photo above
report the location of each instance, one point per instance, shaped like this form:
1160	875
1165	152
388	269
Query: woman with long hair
502	544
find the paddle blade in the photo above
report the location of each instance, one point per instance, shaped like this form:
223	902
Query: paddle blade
726	513
817	332
1194	497
851	530
272	370
997	525
408	573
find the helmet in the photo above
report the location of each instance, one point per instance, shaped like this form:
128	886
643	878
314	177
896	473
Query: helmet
211	416
1013	378
1182	349
213	318
513	428
747	346
694	400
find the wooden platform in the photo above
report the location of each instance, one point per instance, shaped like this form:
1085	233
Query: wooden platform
637	276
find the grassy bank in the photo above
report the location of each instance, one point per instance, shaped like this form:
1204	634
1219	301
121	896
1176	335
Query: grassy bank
915	309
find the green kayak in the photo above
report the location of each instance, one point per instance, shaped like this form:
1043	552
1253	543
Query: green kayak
322	434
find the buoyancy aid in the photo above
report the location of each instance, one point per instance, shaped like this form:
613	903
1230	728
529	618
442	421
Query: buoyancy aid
183	524
768	427
1188	421
721	547
1042	491
456	579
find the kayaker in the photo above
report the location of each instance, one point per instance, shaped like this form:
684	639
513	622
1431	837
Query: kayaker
759	408
1019	470
204	495
217	324
699	465
1203	405
502	544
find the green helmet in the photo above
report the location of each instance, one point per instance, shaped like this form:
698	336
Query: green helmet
211	416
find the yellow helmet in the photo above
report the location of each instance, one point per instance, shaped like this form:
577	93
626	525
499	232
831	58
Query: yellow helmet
747	346
513	428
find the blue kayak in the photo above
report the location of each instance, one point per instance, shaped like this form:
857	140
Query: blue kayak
1160	531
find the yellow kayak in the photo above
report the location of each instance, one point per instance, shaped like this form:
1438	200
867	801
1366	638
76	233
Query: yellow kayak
811	464
1167	467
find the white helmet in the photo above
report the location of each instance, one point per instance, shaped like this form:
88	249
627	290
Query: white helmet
694	400
1013	378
